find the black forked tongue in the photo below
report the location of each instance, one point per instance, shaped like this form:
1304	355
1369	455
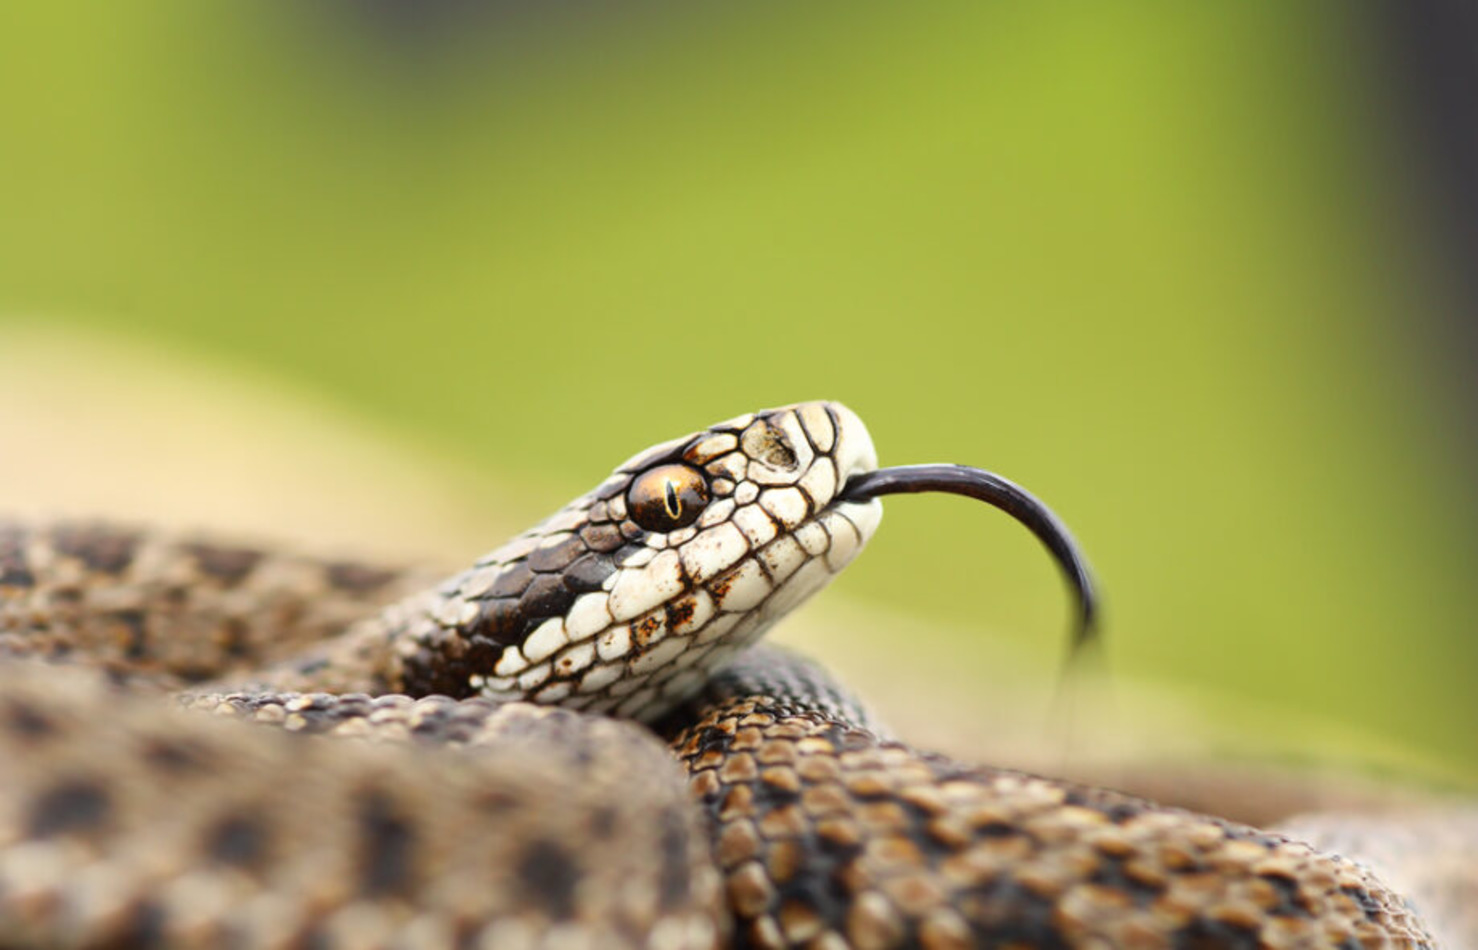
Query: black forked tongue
1010	498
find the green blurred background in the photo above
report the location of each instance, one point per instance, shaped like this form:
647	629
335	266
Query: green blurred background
1165	264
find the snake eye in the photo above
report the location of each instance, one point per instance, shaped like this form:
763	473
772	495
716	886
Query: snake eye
667	497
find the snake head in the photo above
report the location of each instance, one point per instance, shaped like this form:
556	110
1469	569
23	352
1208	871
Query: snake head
628	598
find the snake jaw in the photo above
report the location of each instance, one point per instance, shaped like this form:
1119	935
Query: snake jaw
592	611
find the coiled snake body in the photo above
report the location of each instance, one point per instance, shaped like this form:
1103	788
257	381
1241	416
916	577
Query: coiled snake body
432	774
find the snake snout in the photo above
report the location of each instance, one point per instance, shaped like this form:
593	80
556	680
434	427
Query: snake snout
854	453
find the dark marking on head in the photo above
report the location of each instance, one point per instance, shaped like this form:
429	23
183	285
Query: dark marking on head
588	573
238	841
386	846
548	876
680	612
556	557
512	581
105	550
72	805
602	538
227	565
644	629
435	670
359	578
719	586
482	653
499	621
546	597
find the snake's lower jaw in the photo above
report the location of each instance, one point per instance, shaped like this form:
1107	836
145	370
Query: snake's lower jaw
747	600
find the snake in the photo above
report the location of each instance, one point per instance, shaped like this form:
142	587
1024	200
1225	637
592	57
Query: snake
577	741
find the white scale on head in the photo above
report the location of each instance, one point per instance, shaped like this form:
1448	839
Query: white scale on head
770	533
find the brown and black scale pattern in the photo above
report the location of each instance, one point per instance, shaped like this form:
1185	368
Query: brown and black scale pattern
174	609
359	820
463	824
829	836
534	588
124	823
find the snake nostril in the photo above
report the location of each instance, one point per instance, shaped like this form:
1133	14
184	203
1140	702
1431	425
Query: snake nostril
768	444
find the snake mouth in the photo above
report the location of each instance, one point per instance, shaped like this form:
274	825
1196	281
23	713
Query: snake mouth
1009	497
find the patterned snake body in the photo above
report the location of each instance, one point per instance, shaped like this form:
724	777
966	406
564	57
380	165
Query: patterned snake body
481	805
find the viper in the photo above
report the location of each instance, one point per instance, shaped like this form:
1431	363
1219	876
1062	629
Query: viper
577	741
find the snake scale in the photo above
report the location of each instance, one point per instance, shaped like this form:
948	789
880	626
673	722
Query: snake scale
425	766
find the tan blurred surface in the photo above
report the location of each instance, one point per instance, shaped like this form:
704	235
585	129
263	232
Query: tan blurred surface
94	426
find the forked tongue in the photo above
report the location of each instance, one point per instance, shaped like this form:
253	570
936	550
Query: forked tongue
1011	498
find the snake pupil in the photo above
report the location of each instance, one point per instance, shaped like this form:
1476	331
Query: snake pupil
667	497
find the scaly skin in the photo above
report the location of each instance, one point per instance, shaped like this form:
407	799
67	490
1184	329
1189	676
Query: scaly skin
370	812
830	836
